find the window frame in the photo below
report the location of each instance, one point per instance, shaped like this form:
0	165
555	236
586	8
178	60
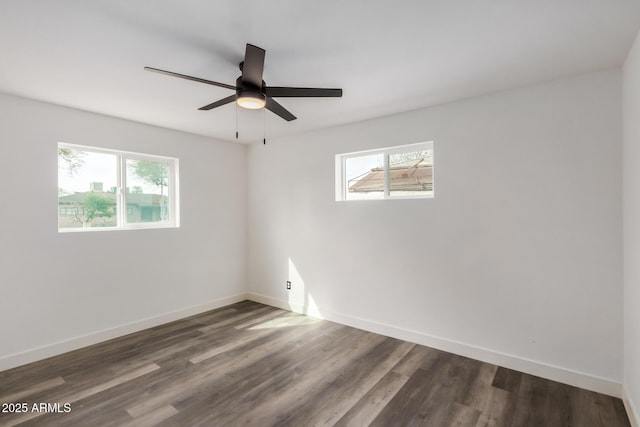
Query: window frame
121	196
341	164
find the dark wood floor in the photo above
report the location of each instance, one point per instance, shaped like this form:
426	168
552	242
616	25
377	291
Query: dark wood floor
249	364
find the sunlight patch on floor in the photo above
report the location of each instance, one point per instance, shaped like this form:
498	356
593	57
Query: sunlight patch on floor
285	321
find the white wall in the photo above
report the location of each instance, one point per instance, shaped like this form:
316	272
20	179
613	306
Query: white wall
56	287
631	212
517	260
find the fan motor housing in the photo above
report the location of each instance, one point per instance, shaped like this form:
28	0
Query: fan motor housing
249	96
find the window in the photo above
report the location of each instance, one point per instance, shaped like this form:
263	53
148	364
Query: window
388	173
107	189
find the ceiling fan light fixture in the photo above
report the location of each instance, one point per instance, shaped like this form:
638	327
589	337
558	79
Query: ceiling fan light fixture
251	92
251	100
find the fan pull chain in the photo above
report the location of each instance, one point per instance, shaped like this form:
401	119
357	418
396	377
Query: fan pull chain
236	120
264	126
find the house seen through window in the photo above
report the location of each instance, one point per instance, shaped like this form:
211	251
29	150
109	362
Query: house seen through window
102	189
396	172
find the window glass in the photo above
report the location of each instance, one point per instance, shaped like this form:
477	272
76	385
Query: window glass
404	171
147	185
411	173
93	183
82	199
364	177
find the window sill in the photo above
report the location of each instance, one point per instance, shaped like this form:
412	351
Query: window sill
103	229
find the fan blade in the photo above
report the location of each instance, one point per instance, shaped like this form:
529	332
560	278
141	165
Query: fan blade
301	92
253	66
219	103
195	79
279	110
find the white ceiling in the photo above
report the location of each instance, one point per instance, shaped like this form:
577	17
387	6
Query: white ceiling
387	56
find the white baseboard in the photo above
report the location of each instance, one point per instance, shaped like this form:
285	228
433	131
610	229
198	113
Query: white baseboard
540	369
630	407
22	358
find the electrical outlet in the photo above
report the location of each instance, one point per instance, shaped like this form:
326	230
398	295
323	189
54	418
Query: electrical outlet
288	284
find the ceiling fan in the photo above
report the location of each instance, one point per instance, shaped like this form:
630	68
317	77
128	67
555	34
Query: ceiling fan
252	92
